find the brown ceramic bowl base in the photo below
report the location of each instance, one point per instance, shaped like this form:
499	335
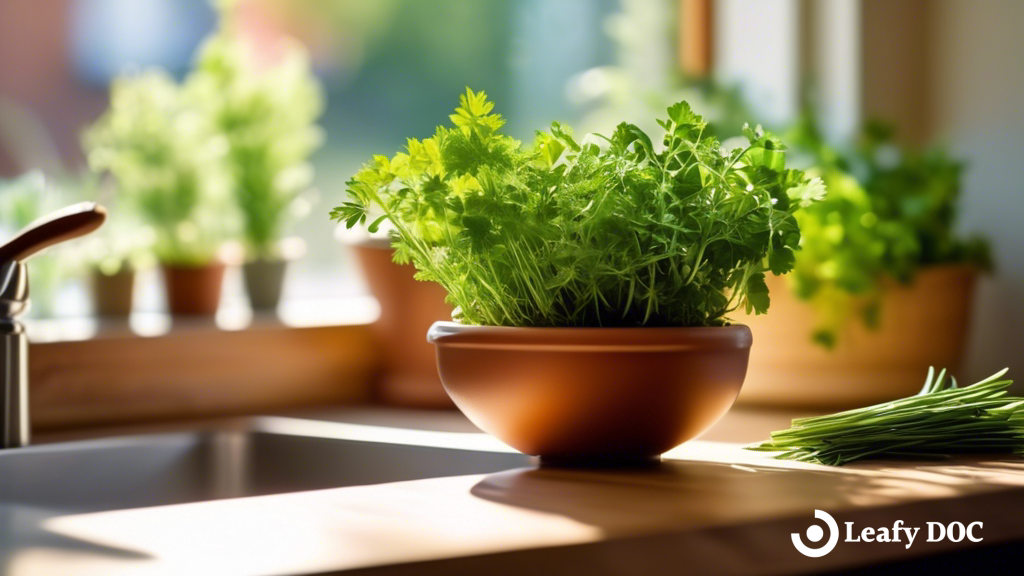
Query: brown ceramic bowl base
600	461
592	394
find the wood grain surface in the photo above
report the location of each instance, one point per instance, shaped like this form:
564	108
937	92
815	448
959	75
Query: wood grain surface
197	372
711	508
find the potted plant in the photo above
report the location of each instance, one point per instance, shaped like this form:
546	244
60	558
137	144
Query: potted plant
592	280
408	374
111	255
267	111
115	253
168	162
881	270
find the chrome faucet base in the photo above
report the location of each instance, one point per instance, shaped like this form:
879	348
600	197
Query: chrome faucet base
14	423
15	431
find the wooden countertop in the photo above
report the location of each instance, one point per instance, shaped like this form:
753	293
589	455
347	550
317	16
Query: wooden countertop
710	508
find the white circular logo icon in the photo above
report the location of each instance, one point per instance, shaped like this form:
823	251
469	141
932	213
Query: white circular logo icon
815	534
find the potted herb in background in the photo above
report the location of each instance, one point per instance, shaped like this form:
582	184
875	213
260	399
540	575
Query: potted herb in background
882	286
267	111
116	252
112	281
407	309
167	161
109	257
592	280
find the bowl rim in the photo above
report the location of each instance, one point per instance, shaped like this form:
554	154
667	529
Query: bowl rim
639	339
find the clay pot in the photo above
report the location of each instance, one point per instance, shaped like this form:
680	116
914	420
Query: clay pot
592	395
193	290
922	324
112	294
407	309
264	280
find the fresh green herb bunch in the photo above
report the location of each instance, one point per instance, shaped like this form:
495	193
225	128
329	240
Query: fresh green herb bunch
886	216
267	112
168	162
609	231
941	420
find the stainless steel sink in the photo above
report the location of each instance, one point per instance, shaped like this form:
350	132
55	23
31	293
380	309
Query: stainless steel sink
263	456
273	456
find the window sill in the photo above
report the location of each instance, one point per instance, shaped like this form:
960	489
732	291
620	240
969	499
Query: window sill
84	372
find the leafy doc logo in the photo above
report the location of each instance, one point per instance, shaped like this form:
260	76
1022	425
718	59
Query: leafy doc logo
815	534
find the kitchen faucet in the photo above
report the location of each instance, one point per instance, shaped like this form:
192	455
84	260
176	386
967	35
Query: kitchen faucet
71	222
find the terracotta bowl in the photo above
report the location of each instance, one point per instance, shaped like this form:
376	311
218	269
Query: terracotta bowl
592	395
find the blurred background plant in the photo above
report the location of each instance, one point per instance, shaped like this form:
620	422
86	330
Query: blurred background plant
266	107
922	190
123	243
168	163
888	214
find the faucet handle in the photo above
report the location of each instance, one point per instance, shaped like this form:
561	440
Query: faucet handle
71	222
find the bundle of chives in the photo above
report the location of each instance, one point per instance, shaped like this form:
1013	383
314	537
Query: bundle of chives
941	420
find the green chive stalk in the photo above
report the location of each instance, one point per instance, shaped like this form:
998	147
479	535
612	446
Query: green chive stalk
941	420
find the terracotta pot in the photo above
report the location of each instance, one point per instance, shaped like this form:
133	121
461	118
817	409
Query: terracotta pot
112	294
264	280
921	325
592	395
407	309
193	290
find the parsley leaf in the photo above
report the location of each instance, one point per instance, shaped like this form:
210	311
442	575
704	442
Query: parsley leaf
622	230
